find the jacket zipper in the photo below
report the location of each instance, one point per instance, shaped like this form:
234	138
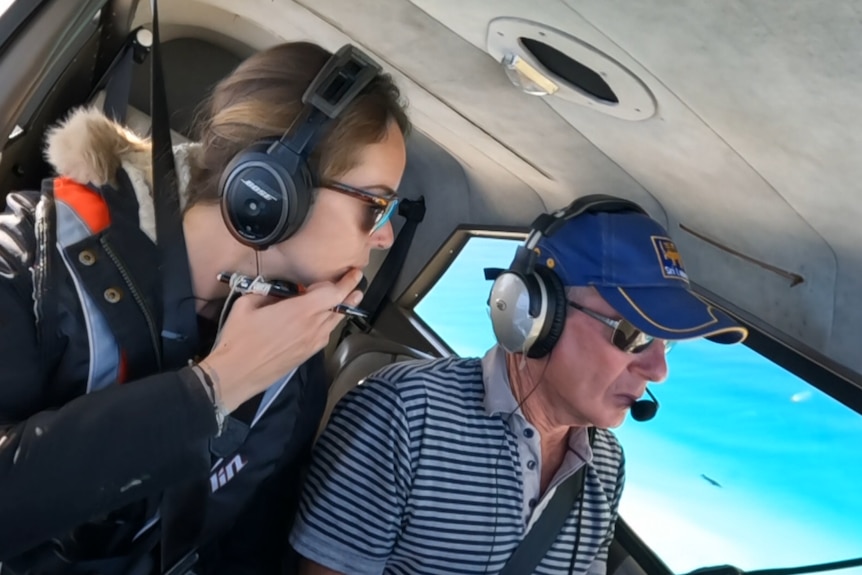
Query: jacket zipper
137	296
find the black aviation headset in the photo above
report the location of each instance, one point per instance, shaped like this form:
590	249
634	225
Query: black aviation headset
266	190
528	302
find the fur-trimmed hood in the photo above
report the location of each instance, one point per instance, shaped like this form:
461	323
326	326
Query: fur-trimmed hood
89	147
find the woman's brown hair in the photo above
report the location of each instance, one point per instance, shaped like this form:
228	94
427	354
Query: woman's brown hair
262	97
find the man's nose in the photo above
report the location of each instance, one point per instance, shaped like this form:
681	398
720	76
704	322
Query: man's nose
651	364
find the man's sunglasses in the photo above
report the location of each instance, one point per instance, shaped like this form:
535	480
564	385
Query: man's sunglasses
625	337
382	206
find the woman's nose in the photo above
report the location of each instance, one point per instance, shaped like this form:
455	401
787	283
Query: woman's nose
383	237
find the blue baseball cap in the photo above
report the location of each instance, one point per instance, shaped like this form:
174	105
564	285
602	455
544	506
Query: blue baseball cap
635	266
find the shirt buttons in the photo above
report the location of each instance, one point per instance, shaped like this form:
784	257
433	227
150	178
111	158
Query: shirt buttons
532	503
531	465
528	433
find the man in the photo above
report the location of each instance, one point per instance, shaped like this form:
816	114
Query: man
443	466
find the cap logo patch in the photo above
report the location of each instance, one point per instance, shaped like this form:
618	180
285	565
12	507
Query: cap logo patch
669	258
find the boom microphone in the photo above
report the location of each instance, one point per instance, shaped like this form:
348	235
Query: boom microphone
645	409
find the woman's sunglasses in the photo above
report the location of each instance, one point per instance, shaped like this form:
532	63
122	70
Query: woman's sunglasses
625	337
382	206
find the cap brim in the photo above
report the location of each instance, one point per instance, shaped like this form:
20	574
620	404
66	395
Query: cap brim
673	314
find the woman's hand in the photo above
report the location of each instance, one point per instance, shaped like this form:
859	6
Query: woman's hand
264	338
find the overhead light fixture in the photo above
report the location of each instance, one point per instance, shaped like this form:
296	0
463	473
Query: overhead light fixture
543	61
527	77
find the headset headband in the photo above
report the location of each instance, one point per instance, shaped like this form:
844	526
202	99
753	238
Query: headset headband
339	82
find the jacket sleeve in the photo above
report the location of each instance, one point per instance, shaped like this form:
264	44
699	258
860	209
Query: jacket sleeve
257	543
64	465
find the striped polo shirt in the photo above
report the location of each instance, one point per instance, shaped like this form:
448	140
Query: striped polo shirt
430	468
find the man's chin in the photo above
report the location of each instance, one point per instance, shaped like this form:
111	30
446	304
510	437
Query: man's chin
614	420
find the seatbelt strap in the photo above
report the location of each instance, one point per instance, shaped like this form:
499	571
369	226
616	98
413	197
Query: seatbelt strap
544	532
119	87
183	507
413	211
117	80
179	318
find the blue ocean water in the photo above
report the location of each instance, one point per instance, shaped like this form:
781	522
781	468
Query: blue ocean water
745	464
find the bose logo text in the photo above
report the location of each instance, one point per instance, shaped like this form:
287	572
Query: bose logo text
257	189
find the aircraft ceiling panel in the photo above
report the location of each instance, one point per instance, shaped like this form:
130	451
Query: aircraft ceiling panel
779	82
701	181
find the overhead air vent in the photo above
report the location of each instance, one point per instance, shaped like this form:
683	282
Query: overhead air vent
570	70
544	61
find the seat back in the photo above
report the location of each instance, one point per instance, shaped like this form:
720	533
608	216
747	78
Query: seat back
620	562
355	358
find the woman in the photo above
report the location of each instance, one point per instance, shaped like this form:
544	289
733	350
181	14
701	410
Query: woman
111	464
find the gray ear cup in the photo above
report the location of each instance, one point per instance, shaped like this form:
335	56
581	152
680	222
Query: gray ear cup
512	297
555	313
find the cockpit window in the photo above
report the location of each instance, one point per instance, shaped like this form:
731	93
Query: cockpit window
4	5
744	464
11	19
456	307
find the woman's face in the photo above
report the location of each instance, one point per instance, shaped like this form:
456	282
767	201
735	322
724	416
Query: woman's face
337	235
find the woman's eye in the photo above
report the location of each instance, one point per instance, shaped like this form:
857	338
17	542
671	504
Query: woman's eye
371	215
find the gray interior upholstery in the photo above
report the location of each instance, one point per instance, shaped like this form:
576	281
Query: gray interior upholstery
191	68
355	358
627	566
138	121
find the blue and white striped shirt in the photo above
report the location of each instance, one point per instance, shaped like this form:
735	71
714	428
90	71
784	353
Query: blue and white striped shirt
420	472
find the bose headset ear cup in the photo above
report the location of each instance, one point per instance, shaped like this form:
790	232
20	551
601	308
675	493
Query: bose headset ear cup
262	204
555	313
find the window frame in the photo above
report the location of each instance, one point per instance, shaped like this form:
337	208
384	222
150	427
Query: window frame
37	43
448	252
794	356
433	271
15	17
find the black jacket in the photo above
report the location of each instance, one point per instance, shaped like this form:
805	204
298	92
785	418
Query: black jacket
91	434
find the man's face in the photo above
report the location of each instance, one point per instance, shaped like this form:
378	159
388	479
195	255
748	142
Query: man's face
588	380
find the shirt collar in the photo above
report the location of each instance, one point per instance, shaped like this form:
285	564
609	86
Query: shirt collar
499	399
